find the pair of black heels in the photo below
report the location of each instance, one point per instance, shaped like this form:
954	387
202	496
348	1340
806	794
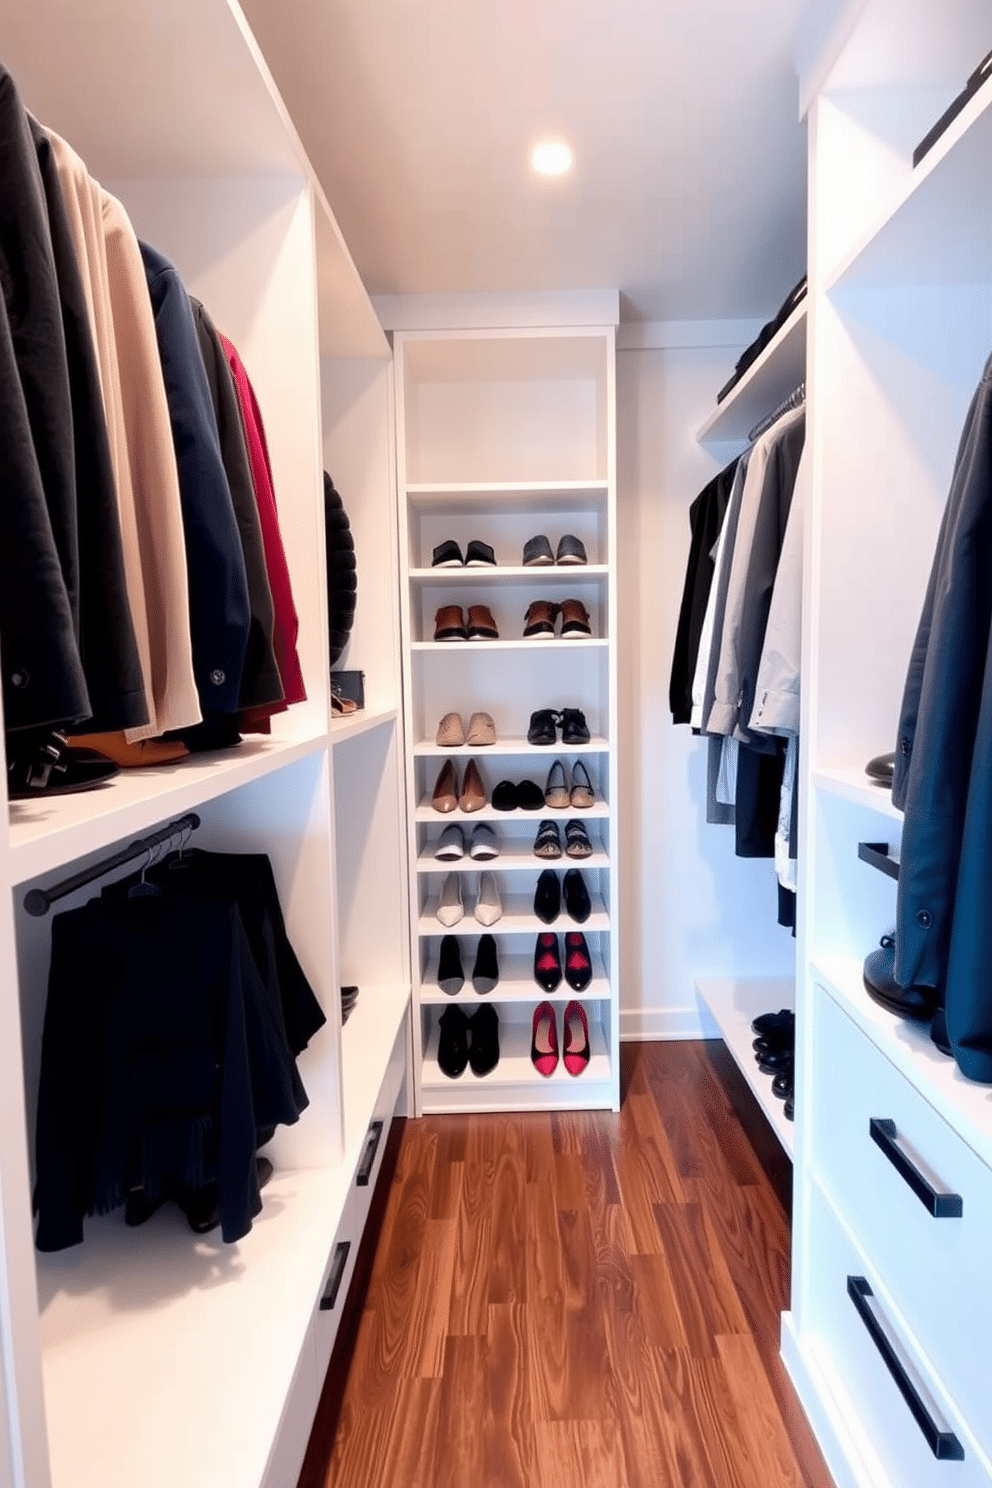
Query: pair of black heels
468	1042
551	891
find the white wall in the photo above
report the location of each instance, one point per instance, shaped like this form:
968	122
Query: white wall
689	907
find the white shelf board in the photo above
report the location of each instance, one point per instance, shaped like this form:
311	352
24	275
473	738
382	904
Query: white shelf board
515	1084
509	862
850	783
562	575
733	1003
518	918
775	374
166	1355
425	812
966	1105
507	496
597	643
367	1041
514	745
46	835
354	725
516	984
937	229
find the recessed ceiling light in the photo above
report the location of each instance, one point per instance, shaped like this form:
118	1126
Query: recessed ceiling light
551	158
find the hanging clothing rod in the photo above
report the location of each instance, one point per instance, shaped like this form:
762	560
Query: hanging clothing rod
39	901
795	398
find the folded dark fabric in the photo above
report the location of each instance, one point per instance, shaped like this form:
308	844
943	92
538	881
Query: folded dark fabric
767	332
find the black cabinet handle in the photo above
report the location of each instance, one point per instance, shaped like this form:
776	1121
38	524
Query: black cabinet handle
338	1264
941	1205
943	1444
877	854
368	1156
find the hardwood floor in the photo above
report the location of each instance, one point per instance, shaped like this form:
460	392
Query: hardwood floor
581	1300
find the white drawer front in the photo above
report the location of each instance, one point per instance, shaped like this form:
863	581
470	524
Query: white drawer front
902	1411
939	1270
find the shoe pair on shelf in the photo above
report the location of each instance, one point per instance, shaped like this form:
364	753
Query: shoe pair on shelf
468	1041
550	892
452	843
446	795
560	795
538	554
539	621
451	906
50	766
452	734
548	969
544	1039
774	1049
449	555
547	843
544	723
485	973
524	795
450	624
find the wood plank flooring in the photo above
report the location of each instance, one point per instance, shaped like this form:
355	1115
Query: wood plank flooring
581	1300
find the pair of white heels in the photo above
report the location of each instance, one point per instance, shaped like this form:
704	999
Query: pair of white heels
451	907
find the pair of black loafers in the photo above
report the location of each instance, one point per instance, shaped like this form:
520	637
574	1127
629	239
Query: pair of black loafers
775	1052
551	891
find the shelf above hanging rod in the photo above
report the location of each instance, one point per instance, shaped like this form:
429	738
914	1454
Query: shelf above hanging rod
39	901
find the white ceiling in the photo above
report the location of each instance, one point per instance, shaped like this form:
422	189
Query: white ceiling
688	192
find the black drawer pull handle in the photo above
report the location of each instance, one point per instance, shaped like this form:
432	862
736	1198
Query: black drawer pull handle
368	1156
330	1296
941	1205
943	1444
877	854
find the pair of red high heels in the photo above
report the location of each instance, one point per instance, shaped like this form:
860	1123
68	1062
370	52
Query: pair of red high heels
544	1039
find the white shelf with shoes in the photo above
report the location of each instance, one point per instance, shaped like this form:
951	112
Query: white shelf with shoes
507	511
733	1003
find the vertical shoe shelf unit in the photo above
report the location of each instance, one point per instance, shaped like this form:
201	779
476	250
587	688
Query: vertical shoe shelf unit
155	1356
733	1001
505	434
889	1339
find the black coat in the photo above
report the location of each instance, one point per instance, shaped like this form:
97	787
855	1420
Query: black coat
43	679
942	776
107	645
342	570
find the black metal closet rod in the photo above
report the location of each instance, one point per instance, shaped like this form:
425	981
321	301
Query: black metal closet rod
40	901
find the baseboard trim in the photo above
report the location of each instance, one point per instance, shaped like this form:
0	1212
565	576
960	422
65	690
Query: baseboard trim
846	1464
646	1025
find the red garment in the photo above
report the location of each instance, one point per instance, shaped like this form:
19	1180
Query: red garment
287	625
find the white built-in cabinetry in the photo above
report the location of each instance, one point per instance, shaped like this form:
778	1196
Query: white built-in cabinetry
900	325
504	434
154	1356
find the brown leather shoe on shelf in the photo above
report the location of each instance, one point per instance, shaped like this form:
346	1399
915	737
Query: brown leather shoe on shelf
143	752
574	620
445	797
473	796
481	730
450	731
539	621
481	625
449	624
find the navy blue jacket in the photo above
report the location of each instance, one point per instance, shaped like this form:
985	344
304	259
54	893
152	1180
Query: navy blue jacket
942	777
220	613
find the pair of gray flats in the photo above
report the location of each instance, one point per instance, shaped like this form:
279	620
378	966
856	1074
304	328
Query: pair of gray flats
538	553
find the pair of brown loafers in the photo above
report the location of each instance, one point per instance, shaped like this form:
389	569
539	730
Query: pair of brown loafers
450	624
447	797
539	621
